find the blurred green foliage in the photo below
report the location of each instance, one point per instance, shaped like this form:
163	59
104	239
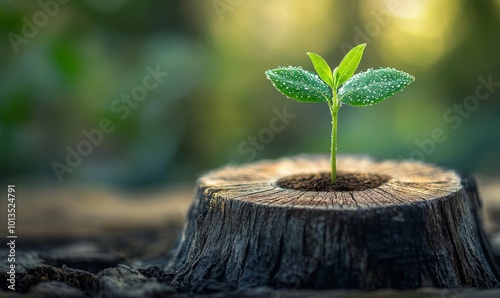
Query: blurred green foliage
65	77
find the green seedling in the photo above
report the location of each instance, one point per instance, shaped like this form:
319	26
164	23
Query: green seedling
338	86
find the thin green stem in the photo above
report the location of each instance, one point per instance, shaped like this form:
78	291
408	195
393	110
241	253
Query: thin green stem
334	110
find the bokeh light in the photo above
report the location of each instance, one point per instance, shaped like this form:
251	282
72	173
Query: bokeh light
66	77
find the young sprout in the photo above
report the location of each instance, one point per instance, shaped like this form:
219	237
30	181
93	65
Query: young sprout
338	86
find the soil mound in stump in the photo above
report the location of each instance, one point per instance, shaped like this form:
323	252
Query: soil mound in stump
385	224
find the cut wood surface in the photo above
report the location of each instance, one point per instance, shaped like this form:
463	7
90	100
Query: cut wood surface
77	231
255	225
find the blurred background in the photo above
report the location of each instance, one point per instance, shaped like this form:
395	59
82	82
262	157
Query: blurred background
110	110
67	66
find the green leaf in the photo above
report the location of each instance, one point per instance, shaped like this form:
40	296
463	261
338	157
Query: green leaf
348	65
335	77
299	84
322	68
373	86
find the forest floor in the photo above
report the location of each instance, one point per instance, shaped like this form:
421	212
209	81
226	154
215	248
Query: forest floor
77	238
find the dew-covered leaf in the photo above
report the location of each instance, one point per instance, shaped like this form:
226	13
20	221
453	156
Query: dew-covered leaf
299	84
348	65
372	86
322	68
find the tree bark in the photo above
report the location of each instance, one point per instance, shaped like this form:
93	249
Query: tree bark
417	226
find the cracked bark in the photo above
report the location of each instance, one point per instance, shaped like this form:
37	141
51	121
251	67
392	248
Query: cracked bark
421	228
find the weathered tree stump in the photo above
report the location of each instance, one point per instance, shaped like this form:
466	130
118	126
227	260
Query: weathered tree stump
384	224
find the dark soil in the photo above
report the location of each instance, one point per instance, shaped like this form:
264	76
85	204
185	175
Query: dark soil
72	267
321	182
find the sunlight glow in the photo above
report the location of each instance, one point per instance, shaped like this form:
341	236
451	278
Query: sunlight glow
288	26
417	33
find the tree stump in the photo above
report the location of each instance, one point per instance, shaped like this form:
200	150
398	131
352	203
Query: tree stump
387	224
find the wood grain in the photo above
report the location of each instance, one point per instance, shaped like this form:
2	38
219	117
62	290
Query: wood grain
422	228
